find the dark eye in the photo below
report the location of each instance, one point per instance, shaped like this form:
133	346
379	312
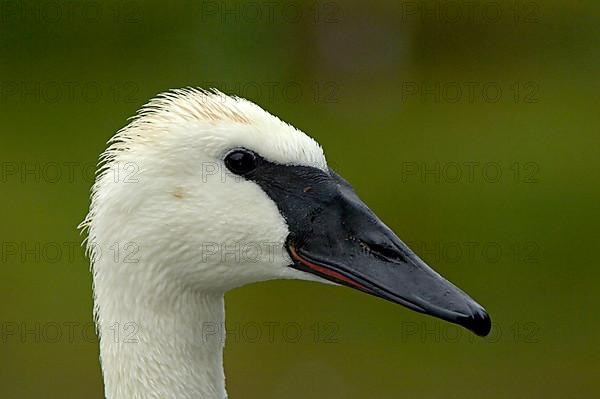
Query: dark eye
241	161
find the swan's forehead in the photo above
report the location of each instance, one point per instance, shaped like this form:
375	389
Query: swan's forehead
214	123
277	143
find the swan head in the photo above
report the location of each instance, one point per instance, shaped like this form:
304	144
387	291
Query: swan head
209	192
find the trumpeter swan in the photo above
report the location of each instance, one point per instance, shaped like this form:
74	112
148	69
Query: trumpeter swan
197	170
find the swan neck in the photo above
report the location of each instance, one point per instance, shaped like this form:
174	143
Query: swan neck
156	346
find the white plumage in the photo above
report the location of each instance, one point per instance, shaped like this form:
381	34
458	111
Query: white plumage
162	199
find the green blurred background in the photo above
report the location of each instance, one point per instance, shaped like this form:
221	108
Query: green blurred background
384	87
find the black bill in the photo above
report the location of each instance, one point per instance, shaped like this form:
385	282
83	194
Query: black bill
334	235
